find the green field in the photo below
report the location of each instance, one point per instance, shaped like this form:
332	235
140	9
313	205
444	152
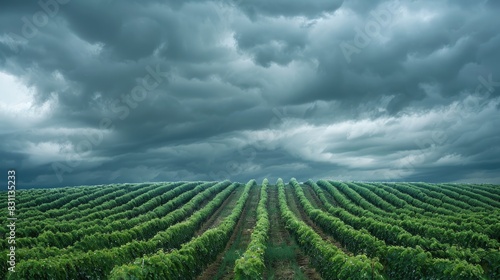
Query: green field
255	230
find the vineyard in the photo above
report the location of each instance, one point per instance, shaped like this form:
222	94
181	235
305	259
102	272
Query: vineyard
258	230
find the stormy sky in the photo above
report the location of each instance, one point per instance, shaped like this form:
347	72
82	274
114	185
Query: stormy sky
96	92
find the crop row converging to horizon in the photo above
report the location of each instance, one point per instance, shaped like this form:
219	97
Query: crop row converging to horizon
256	230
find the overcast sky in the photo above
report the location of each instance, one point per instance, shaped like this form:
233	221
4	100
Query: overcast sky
107	91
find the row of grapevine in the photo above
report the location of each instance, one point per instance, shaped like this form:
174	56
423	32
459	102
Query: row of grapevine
392	234
97	264
141	231
486	191
118	205
37	201
137	228
446	196
56	204
418	203
124	210
25	216
251	264
33	228
470	223
347	230
425	196
191	258
401	262
416	227
486	201
331	262
103	194
408	212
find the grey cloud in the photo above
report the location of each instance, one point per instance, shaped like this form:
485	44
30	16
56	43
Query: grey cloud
312	8
237	76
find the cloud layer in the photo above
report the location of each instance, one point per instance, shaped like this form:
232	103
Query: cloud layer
127	91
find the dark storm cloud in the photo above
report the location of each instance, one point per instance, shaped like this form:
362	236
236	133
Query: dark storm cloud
287	8
115	91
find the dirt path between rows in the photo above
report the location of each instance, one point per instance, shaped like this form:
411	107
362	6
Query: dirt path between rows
298	210
221	212
223	267
313	198
284	259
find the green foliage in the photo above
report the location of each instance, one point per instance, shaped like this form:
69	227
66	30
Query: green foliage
330	261
97	264
189	261
147	231
251	264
